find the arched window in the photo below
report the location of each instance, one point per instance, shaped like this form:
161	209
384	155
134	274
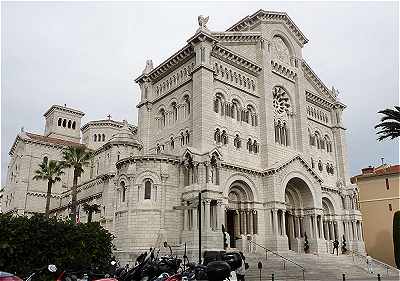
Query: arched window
123	191
182	139
103	137
99	137
95	137
158	149
64	123
162	118
249	145
312	163
69	124
59	121
187	105
147	189
224	137
187	137
255	146
217	136
237	142
74	125
235	110
320	165
172	143
45	159
174	112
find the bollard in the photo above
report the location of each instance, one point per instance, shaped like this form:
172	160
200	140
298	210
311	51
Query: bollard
344	277
379	277
273	277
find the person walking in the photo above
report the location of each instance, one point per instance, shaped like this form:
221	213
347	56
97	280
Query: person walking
241	271
335	247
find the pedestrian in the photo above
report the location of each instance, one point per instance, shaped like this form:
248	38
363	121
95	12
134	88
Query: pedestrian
241	271
335	246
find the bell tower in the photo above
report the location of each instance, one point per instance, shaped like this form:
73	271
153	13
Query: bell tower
63	123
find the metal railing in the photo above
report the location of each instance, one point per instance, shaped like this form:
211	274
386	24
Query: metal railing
374	266
284	259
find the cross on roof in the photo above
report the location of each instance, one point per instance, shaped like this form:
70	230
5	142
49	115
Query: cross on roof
109	117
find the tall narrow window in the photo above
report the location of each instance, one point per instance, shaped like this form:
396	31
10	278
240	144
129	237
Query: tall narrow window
123	191
69	124
172	143
64	123
387	184
147	189
74	125
59	121
95	137
45	159
187	136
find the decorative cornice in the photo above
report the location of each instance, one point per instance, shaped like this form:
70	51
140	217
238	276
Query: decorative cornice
237	60
63	108
313	98
247	37
168	65
314	79
260	16
111	123
161	158
283	71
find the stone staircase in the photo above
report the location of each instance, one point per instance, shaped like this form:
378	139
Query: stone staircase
322	267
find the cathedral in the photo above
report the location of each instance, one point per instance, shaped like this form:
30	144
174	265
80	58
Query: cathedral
237	115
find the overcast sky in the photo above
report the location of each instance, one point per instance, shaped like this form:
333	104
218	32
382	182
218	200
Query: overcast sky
86	55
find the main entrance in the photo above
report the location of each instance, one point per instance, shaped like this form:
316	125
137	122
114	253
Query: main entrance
240	217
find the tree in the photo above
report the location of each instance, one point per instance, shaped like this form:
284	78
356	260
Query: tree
76	157
90	209
27	243
396	238
390	124
51	171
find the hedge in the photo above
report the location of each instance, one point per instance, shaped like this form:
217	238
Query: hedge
29	243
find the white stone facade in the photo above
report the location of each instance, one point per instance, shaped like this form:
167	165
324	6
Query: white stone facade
238	115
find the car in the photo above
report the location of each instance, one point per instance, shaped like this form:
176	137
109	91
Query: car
5	276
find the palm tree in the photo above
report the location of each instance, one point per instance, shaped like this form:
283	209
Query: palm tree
390	124
51	171
76	157
90	209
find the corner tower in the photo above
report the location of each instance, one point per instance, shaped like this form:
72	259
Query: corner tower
63	123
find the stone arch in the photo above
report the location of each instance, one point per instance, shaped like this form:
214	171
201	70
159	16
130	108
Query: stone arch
148	174
285	39
300	183
238	177
327	206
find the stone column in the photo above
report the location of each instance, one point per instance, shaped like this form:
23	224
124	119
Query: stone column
251	222
220	215
244	222
298	227
185	220
237	223
360	231
275	221
325	230
195	219
206	222
332	234
283	224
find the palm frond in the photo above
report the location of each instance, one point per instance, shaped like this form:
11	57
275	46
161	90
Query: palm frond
389	126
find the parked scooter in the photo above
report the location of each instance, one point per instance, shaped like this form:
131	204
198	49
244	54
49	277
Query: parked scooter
33	276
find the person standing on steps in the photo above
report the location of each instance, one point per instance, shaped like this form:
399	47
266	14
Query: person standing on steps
335	246
241	271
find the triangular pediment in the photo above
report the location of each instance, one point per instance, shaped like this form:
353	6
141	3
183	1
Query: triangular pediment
249	22
300	163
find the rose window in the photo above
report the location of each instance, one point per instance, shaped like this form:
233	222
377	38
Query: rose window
281	100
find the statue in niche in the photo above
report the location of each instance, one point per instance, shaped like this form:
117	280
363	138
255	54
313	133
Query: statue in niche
281	50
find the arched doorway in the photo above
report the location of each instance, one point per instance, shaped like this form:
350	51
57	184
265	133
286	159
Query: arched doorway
329	221
298	197
241	218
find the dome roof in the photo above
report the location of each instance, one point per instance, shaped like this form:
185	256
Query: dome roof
125	135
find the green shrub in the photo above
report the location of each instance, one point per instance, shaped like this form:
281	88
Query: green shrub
396	238
29	243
